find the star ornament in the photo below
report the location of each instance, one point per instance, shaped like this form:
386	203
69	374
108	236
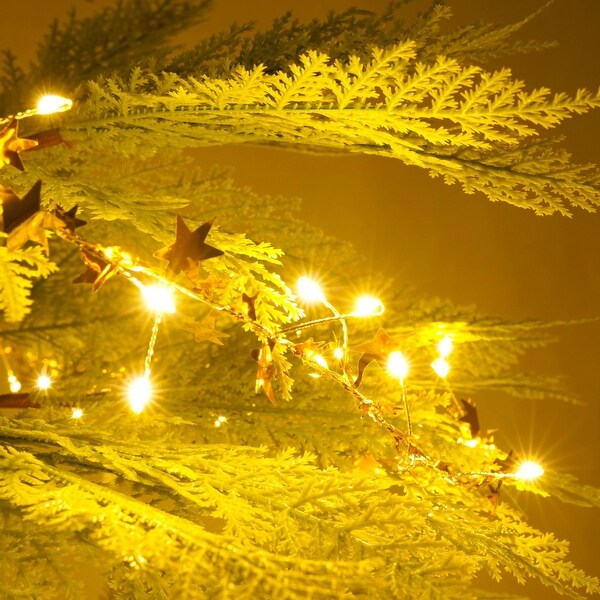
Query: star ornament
205	330
15	210
188	246
265	373
11	144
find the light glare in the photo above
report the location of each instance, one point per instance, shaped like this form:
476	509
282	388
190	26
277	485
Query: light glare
159	298
529	470
445	346
309	290
53	104
77	413
397	365
139	394
441	367
14	384
368	306
43	383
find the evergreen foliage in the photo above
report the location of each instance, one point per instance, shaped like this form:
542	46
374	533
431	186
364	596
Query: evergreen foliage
213	492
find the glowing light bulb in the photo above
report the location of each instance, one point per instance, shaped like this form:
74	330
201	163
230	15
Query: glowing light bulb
368	306
14	384
159	298
320	360
441	367
397	365
77	413
309	290
338	353
445	346
53	104
529	470
43	382
220	420
139	394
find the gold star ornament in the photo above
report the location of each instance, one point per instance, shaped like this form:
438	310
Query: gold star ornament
11	144
189	247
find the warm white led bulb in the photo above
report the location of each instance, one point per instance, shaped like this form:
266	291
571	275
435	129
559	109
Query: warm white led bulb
368	306
139	394
397	365
309	290
77	413
529	470
159	298
338	353
43	382
53	104
14	384
445	346
441	367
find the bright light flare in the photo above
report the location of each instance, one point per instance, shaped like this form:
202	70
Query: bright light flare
14	384
159	298
445	346
368	306
220	420
309	290
43	382
50	104
139	394
441	367
338	353
77	413
397	365
529	470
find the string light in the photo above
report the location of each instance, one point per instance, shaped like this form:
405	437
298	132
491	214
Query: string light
441	367
445	346
529	470
159	298
397	365
140	390
77	413
139	393
368	306
14	385
320	360
51	104
46	105
43	382
309	290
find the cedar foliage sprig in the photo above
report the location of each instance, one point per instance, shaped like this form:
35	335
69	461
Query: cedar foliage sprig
461	123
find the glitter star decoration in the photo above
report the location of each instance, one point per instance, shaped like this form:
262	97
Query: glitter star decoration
188	246
11	144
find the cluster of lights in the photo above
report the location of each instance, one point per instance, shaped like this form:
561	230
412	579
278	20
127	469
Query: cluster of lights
160	300
440	365
310	291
